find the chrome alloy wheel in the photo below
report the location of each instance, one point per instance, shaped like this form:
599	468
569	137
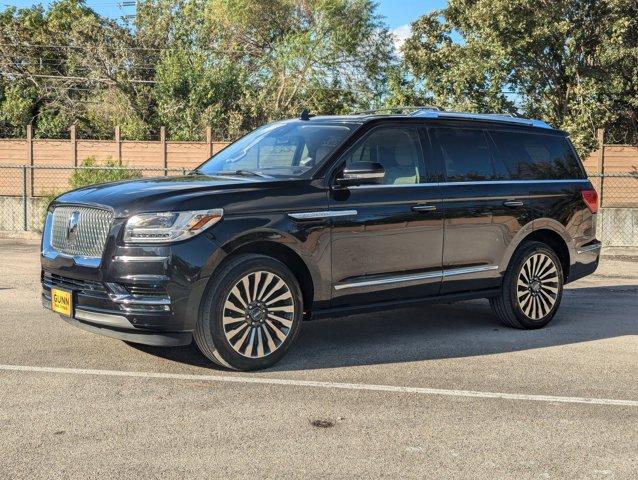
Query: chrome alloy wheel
258	314
537	286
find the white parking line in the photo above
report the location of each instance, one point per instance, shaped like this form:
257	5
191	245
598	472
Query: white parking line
327	385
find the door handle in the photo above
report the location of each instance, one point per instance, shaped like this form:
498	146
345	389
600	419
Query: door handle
513	203
424	208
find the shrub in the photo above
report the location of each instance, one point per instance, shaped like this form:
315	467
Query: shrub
83	177
47	197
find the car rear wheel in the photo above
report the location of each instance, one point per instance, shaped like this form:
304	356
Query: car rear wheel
532	288
251	315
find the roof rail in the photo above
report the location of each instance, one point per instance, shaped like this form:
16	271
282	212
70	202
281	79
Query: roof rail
400	109
493	117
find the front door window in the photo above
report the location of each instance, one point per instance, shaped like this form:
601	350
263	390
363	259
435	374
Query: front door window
397	149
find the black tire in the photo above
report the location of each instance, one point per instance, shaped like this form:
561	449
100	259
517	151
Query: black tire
258	330
528	304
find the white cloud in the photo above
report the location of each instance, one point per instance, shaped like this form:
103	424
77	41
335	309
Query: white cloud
401	34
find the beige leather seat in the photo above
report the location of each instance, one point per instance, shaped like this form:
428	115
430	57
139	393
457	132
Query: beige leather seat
402	169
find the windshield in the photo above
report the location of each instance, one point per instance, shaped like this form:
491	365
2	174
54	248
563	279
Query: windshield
280	149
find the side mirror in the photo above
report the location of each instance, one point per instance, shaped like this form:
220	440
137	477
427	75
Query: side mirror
361	173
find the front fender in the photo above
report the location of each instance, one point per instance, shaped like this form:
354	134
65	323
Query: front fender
309	241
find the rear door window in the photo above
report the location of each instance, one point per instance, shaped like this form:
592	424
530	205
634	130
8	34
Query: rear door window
465	154
532	156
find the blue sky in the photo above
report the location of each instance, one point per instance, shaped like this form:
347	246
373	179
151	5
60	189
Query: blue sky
402	12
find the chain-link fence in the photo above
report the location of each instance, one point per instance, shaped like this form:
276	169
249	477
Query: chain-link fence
26	190
618	213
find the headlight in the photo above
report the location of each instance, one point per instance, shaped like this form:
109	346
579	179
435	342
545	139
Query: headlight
165	227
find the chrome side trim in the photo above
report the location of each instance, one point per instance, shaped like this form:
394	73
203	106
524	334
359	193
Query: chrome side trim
590	248
102	318
322	214
466	270
129	258
389	280
416	276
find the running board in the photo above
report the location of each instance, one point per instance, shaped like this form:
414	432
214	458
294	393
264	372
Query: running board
392	304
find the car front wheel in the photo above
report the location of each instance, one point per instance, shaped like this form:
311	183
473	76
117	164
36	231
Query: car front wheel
532	288
251	315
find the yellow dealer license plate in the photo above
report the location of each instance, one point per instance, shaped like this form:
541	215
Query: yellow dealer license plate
62	302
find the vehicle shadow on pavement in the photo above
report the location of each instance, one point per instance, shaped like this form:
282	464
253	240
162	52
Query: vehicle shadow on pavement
444	331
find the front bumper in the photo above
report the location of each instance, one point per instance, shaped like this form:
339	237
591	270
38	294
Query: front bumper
96	311
117	326
142	294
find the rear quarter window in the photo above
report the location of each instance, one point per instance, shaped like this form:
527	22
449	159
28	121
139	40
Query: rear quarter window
532	156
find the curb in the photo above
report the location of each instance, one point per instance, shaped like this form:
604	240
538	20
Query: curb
19	235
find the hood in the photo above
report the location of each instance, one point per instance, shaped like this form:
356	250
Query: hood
166	193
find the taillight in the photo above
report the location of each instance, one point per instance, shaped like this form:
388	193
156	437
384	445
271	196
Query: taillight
590	197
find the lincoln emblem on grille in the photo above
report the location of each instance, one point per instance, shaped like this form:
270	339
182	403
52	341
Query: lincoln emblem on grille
72	227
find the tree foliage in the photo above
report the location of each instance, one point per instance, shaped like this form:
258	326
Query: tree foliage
573	63
92	172
235	64
188	64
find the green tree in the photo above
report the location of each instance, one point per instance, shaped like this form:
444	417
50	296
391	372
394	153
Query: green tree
188	64
64	64
573	63
326	55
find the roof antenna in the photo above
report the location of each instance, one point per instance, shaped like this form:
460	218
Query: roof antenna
305	114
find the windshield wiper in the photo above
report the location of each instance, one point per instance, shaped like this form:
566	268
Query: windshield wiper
241	173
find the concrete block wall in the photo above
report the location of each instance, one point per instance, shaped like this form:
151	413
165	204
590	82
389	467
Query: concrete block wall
618	227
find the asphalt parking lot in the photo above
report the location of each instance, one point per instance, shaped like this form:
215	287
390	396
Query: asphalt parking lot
434	392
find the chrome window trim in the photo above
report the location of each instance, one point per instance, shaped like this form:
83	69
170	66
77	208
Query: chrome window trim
400	185
506	182
322	214
474	182
416	276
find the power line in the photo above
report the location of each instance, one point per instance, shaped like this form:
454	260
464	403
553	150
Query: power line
77	47
64	77
90	4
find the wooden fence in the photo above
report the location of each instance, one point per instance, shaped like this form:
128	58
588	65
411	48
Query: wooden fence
613	169
608	160
141	154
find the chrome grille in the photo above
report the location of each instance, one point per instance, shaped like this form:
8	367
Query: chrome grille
146	290
92	229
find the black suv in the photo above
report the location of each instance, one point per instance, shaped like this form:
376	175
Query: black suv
326	216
